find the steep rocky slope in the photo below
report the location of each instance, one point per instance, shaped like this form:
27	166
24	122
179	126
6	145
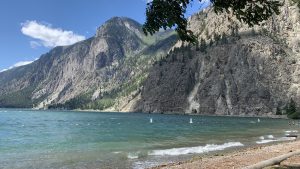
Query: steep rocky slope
91	74
234	70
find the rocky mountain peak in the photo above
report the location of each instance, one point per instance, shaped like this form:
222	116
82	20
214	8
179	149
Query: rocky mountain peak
91	74
116	24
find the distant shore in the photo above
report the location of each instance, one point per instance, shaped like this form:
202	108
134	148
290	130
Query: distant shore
267	115
240	158
189	114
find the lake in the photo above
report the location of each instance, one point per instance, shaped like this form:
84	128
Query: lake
66	139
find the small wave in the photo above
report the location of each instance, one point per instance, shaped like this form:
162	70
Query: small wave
286	138
132	156
273	140
265	141
195	150
291	131
266	136
117	152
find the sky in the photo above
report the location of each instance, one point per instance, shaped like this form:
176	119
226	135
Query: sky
31	28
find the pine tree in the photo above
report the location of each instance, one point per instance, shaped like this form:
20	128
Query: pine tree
291	107
278	111
292	110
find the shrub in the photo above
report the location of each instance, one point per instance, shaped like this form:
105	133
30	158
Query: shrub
292	111
278	111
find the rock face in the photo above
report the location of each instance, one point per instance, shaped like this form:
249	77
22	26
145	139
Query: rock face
235	70
90	70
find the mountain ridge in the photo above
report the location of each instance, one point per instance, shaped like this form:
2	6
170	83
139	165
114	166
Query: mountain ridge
66	72
234	70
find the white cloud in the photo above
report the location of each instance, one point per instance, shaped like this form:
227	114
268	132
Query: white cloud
48	36
18	64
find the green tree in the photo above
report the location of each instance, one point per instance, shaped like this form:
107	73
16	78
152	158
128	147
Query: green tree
292	111
170	14
291	107
278	111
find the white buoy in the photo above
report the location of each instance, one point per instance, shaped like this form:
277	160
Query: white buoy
151	120
191	120
258	120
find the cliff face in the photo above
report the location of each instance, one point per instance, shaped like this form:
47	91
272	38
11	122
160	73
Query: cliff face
90	70
234	70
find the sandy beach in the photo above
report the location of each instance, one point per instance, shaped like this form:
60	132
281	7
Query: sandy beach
241	158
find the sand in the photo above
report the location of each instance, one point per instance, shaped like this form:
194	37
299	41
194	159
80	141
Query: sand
240	158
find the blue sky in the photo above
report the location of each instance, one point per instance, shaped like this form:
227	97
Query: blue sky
32	27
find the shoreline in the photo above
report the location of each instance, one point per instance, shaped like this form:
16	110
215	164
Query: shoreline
272	116
183	114
238	157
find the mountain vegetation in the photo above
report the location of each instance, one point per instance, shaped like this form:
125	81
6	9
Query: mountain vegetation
169	14
92	74
231	69
291	110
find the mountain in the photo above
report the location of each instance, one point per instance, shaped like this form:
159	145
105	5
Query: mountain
91	74
235	69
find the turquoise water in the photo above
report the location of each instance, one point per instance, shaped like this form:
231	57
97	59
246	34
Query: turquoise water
64	139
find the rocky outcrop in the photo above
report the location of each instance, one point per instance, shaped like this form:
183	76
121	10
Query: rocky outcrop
118	54
235	70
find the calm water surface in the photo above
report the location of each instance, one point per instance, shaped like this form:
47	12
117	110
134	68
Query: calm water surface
64	139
